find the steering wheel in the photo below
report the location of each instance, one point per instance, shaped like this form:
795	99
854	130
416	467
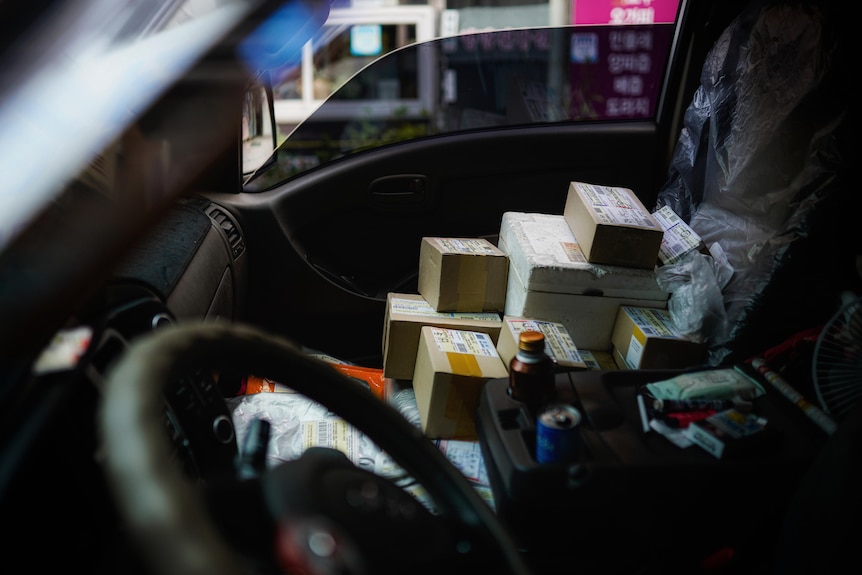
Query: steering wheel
328	516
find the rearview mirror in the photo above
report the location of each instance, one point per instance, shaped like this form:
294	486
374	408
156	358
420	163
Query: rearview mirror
258	125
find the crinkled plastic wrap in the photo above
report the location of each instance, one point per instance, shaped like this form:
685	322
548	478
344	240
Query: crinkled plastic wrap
298	422
756	171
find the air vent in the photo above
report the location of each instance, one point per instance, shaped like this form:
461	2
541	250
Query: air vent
220	217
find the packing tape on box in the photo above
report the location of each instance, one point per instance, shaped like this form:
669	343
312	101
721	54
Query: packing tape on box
464	364
472	284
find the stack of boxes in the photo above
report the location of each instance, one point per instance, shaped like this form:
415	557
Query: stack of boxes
406	314
586	279
445	338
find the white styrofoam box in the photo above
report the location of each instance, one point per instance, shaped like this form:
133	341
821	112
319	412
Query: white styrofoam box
589	319
544	253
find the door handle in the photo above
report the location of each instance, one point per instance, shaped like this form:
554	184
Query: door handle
399	190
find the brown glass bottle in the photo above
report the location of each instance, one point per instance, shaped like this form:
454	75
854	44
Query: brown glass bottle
532	371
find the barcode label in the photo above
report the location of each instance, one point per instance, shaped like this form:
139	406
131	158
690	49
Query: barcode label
466	246
334	433
655	322
678	239
467	342
402	306
616	206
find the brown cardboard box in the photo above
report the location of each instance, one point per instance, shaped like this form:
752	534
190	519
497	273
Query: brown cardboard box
451	368
405	316
550	279
612	226
558	342
645	338
599	360
462	274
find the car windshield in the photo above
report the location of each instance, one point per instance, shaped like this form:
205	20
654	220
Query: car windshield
461	82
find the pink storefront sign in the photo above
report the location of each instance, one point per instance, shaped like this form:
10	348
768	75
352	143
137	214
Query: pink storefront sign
622	12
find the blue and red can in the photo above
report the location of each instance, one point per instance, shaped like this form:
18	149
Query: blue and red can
558	434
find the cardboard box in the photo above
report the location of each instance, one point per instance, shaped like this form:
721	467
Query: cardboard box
678	240
618	359
558	343
645	338
462	274
612	226
599	360
406	314
452	366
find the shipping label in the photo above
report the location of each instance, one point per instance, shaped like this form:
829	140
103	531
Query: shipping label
573	252
615	206
474	246
466	342
678	239
653	322
558	342
635	351
549	236
467	457
423	308
334	433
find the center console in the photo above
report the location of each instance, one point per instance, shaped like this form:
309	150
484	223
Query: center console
632	499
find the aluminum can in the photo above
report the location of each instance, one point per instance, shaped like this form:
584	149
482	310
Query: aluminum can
558	434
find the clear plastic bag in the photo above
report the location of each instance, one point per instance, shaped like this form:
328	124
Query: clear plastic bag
696	304
757	171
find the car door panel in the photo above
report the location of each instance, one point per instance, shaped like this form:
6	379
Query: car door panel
350	247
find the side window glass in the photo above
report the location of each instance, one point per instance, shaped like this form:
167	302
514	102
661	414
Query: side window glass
351	39
608	66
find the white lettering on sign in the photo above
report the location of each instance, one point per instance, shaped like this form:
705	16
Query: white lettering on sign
503	41
630	40
620	16
627	106
640	63
629	85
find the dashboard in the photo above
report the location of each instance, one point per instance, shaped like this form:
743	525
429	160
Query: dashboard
192	269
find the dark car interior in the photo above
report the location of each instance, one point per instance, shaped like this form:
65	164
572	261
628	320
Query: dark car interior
307	265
